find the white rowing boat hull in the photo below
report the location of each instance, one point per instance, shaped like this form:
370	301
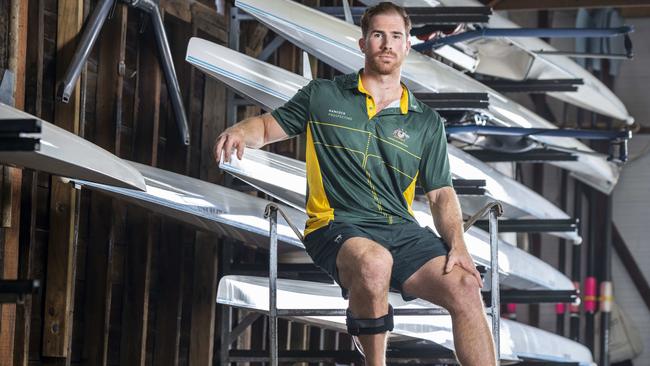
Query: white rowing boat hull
65	154
518	341
335	42
270	87
209	207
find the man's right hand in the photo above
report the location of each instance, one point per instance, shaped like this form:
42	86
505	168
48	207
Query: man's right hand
229	140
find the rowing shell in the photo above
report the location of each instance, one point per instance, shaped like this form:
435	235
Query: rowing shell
67	155
518	341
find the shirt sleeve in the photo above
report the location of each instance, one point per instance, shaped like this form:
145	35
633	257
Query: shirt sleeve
294	114
434	164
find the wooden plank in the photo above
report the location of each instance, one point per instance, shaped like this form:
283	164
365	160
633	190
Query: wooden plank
214	121
10	234
562	4
180	9
170	289
27	240
13	181
59	301
210	21
142	230
99	255
147	105
204	293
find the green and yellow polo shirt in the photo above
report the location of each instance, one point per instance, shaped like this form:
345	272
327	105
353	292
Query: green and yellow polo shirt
363	166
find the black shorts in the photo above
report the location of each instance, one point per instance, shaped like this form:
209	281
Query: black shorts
410	245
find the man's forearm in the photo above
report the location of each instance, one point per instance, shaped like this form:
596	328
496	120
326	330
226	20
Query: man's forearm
447	216
252	130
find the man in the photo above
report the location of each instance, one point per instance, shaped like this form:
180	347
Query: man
369	141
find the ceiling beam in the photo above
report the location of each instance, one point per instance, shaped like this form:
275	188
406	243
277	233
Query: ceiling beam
562	4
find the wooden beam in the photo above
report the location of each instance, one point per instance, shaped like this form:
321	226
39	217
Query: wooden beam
204	293
142	227
180	9
59	292
167	326
142	231
147	105
11	184
214	122
563	4
12	181
103	218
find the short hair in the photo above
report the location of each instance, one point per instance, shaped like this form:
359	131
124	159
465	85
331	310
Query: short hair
383	8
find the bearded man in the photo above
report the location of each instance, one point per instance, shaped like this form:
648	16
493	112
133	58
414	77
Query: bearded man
369	143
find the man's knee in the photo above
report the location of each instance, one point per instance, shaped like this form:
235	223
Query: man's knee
370	272
465	295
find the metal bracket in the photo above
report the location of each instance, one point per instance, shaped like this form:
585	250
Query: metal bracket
617	139
14	291
460	101
12	138
89	37
533	86
530	32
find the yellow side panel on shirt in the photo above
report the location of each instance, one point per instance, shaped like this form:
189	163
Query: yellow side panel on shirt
318	207
409	194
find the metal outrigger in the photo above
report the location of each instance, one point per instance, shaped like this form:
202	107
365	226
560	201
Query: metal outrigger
89	37
492	209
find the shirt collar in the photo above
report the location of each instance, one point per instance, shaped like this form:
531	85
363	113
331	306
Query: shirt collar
407	100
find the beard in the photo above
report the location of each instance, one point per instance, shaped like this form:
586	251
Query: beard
382	66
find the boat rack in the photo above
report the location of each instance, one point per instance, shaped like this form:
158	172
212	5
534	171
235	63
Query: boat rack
533	225
618	139
538	33
427	19
11	134
531	156
492	209
454	100
533	85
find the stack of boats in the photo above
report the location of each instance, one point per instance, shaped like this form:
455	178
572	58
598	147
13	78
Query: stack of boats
240	216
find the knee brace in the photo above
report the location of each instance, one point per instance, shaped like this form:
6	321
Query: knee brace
358	326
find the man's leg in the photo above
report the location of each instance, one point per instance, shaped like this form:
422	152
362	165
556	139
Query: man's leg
459	293
364	268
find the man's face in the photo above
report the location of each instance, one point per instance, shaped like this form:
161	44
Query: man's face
386	44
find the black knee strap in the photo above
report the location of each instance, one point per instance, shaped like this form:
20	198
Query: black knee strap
369	326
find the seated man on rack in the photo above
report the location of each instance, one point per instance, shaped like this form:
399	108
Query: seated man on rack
369	142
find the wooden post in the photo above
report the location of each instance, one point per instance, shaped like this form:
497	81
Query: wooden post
10	185
102	224
142	227
12	180
204	294
59	299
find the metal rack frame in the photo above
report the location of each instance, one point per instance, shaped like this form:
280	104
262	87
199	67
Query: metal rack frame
493	210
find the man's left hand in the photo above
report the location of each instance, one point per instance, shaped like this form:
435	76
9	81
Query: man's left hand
459	256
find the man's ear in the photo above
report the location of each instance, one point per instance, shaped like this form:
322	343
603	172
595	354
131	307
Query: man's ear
362	44
408	44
